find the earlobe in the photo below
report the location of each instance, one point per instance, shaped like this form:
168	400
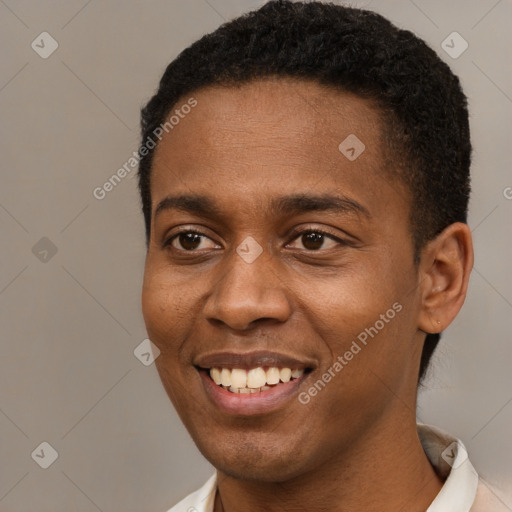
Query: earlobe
445	267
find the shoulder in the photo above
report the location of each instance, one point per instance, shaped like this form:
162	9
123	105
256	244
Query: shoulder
488	499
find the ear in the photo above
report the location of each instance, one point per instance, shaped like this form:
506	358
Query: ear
444	269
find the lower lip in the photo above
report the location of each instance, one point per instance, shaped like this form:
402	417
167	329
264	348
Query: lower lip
246	404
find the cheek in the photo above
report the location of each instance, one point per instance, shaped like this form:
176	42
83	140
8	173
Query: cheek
342	305
363	317
164	307
168	318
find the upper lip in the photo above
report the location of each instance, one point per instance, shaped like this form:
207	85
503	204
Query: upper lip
251	360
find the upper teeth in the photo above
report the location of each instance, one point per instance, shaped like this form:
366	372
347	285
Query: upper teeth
253	378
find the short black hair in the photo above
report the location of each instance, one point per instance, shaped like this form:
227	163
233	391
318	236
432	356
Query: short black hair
419	99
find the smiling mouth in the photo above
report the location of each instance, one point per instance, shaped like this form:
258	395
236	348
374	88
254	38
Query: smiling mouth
253	380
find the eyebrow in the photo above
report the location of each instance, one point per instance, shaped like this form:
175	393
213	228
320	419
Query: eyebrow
205	206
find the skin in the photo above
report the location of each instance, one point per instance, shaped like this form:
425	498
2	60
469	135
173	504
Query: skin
354	446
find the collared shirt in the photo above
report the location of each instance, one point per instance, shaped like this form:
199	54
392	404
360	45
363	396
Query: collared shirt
462	490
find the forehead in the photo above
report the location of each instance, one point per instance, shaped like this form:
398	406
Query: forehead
268	135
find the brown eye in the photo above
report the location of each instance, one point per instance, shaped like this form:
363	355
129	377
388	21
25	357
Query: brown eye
313	240
189	241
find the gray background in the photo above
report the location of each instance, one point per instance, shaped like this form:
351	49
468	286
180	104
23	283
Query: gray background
71	320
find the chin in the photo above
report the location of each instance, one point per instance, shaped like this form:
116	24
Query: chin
246	459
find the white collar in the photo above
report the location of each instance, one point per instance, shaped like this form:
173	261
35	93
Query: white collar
450	460
447	455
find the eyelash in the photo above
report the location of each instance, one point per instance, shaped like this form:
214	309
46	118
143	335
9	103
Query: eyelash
169	240
295	234
301	232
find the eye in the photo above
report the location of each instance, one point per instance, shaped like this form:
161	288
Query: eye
188	240
315	239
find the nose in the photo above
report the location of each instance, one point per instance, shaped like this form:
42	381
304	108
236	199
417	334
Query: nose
248	294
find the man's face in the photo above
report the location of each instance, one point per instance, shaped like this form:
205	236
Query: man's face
325	278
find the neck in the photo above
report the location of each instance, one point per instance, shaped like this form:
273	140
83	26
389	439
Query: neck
386	471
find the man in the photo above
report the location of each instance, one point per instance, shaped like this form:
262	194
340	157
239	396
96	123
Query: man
305	208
